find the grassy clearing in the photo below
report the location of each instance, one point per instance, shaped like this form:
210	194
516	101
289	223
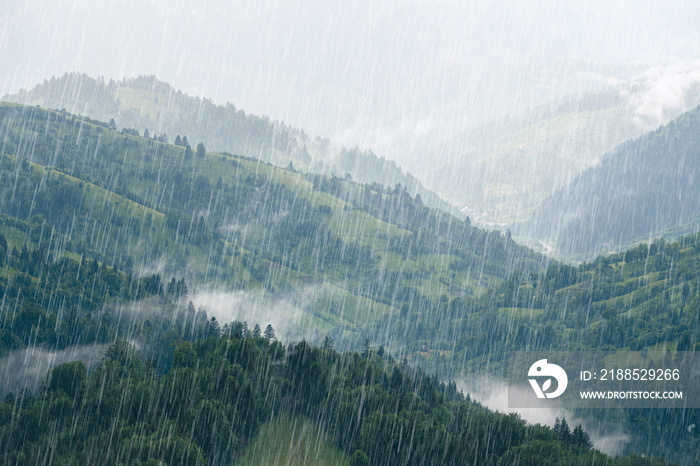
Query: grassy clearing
15	237
292	441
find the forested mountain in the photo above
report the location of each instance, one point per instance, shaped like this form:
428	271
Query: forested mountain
349	257
107	234
644	299
639	190
144	103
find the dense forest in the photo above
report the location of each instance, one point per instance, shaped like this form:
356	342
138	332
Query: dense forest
219	390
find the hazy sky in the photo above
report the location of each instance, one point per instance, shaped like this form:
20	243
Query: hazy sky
370	72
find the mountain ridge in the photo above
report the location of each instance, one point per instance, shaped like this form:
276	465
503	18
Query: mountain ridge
640	189
147	103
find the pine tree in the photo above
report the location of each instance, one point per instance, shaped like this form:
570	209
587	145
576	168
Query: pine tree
564	431
213	329
581	440
365	348
178	140
201	150
269	333
257	333
182	288
327	343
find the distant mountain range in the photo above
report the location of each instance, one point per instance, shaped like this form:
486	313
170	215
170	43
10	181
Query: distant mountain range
643	189
147	103
499	172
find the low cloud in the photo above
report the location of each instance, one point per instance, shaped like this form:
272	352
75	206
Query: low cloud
285	313
493	393
662	93
28	367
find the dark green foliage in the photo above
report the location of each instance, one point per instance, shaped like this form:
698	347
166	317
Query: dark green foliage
327	343
218	390
581	440
184	210
359	458
57	302
68	377
213	329
269	333
239	227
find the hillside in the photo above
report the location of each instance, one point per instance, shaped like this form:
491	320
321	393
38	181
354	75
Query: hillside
146	103
644	299
640	189
225	391
337	256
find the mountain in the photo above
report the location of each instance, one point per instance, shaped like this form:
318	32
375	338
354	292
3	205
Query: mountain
86	209
641	189
321	254
147	103
499	171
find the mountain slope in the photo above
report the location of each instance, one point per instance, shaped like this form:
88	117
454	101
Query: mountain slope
641	188
146	103
221	390
336	256
500	171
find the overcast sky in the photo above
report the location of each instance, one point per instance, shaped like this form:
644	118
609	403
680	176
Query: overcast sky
365	71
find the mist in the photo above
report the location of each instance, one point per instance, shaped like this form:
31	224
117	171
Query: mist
377	75
26	368
493	393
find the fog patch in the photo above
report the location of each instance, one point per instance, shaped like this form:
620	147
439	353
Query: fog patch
152	268
289	313
234	228
493	394
136	310
284	312
662	93
27	367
